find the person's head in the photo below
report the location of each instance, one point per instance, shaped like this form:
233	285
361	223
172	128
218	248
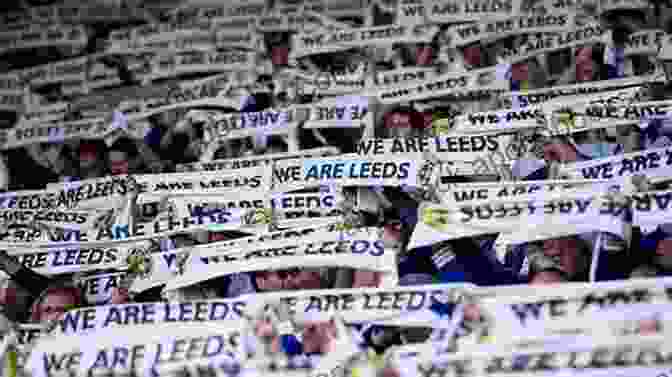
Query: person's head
424	54
473	55
570	254
119	156
318	336
304	278
663	254
649	326
89	154
366	279
586	69
274	280
402	122
392	234
54	302
14	300
549	276
217	237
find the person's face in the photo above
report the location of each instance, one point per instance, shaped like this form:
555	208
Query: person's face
264	328
87	159
392	235
520	72
318	337
472	56
547	277
562	152
118	163
566	250
663	256
9	293
472	312
585	67
424	54
268	281
648	326
304	279
366	279
390	372
399	125
54	305
216	237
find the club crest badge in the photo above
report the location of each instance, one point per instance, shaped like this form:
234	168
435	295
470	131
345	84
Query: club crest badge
140	263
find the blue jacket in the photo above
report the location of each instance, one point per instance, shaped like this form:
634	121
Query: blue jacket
478	266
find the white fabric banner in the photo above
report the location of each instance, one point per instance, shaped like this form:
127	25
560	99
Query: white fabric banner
340	40
350	170
56	35
538	96
500	120
655	162
579	356
196	61
598	116
645	42
491	30
175	99
461	85
162	267
444	147
547	42
445	11
651	209
612	5
354	81
361	250
63	260
93	128
533	219
570	310
79	220
98	289
366	305
148	347
519	190
264	160
97	192
240	125
88	320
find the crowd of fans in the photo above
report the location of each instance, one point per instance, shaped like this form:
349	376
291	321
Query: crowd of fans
176	137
